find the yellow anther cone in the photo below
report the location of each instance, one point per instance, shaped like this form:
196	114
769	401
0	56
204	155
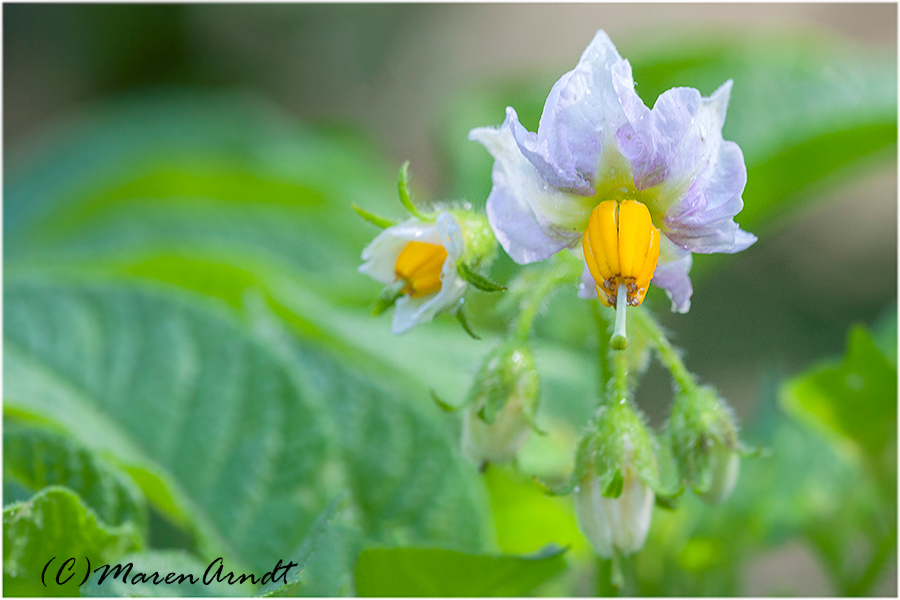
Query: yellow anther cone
420	264
621	247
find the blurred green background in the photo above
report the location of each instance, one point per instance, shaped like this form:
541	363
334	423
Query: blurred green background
178	181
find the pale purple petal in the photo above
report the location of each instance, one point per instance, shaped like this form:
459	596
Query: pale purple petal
672	275
531	219
578	123
678	146
703	221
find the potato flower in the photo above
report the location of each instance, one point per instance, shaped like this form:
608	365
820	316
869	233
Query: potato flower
638	189
417	261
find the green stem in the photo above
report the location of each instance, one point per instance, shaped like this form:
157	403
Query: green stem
666	352
612	364
603	369
620	377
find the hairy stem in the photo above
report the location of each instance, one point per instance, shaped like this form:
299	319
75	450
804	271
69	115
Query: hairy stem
666	352
564	270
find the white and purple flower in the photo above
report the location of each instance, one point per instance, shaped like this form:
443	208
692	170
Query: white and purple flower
597	142
418	261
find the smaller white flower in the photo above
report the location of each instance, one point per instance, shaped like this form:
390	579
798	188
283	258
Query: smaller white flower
419	260
615	525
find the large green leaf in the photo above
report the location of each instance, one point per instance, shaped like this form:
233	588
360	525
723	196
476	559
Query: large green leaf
428	572
173	390
36	458
55	526
854	401
198	171
230	435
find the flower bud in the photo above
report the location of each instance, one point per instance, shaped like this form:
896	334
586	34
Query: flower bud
704	443
615	524
614	498
501	405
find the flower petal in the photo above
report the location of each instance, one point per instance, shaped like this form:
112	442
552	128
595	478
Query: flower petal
380	256
532	220
578	122
672	275
409	312
451	236
678	146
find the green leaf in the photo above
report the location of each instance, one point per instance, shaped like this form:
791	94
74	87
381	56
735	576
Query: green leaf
231	431
36	458
527	517
198	172
55	524
179	392
433	572
853	402
325	559
481	282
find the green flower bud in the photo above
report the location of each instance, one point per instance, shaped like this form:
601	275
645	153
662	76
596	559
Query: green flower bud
704	443
617	474
501	405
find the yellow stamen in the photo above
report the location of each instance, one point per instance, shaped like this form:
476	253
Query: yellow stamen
621	247
420	264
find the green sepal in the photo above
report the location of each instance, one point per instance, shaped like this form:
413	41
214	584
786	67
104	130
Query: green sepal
444	406
486	415
405	199
388	297
461	317
372	218
616	484
479	281
668	500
